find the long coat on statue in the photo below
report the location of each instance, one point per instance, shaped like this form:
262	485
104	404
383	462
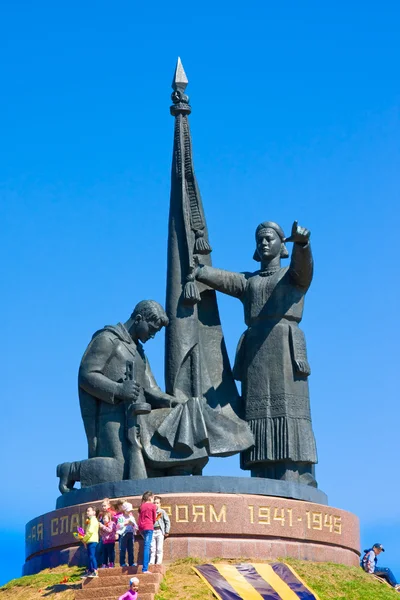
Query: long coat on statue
271	360
102	370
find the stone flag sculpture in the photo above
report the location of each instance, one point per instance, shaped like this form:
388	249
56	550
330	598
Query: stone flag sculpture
197	370
196	361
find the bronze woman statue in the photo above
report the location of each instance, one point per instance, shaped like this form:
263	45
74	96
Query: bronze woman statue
271	359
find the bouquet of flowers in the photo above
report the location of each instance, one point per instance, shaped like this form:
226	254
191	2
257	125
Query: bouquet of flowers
79	534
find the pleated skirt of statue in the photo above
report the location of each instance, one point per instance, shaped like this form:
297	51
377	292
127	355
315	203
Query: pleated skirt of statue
276	399
280	438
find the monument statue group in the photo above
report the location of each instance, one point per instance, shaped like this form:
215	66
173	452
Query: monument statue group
141	437
135	430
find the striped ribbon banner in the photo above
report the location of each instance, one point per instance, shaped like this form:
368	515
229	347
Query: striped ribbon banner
255	581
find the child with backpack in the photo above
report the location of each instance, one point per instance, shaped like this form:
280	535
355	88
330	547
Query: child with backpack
369	564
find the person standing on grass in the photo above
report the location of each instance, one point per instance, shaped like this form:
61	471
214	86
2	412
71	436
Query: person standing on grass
147	518
161	531
91	539
369	564
132	593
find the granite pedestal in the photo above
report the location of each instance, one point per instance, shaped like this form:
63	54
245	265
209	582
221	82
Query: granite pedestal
238	522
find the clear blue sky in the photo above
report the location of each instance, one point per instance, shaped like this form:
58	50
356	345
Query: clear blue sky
295	116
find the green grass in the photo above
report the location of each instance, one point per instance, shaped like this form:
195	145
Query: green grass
50	582
337	582
182	583
330	581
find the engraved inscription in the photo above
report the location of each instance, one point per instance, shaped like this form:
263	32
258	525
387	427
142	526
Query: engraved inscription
316	520
259	519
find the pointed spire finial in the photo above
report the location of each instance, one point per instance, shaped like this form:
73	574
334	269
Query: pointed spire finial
180	80
178	96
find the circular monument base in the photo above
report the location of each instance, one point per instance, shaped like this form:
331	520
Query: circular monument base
211	525
197	484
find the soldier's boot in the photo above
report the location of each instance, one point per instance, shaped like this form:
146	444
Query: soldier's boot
101	470
89	472
68	473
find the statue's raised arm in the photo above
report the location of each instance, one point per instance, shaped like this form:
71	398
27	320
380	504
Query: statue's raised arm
301	264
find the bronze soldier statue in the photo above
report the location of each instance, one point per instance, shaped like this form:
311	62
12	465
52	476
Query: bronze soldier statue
271	359
116	384
134	430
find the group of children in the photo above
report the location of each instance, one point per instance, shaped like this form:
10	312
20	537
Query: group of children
116	523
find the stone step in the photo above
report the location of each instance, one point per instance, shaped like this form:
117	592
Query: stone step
145	581
88	592
105	595
114	582
131	570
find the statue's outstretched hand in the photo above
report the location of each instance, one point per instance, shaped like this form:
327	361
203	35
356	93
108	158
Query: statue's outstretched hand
196	265
299	235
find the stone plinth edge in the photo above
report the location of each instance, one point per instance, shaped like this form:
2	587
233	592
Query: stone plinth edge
210	525
194	484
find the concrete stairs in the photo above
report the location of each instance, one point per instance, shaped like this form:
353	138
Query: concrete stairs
112	583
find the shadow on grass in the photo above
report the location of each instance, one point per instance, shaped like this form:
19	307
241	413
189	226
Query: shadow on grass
61	587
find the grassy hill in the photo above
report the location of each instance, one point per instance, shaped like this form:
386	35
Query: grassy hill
328	580
58	584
